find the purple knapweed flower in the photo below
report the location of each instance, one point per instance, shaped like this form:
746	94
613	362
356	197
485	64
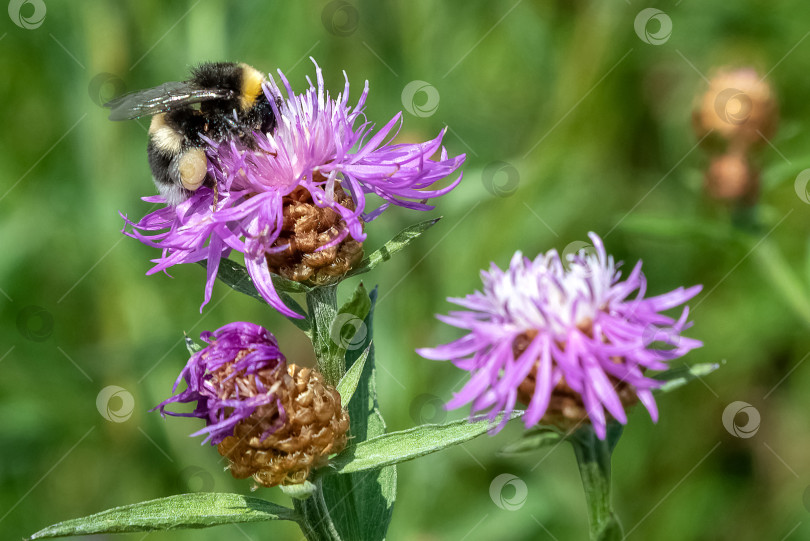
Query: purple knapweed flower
230	378
320	144
566	338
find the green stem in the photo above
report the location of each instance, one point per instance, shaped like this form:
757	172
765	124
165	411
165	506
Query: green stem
593	459
316	522
323	310
782	277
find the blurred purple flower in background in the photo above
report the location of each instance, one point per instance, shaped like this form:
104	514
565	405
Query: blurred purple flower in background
565	338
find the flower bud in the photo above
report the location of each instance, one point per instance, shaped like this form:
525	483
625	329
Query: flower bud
315	427
272	421
731	177
739	107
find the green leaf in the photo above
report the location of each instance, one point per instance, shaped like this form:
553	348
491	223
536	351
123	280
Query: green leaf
400	241
359	504
322	307
396	447
348	383
680	376
199	510
534	440
237	278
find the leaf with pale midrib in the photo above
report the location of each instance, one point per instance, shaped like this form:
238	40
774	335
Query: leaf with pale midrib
199	510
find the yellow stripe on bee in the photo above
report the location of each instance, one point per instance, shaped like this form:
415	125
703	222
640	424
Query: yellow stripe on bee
252	80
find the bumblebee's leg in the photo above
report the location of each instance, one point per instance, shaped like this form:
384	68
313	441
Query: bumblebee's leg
189	168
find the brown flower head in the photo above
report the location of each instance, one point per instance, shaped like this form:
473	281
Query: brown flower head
306	229
740	107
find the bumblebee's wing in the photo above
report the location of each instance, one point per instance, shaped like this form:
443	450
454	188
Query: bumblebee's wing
160	99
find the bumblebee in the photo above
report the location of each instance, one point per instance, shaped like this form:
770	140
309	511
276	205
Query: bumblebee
220	101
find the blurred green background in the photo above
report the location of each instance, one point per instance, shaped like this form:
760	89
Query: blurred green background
571	123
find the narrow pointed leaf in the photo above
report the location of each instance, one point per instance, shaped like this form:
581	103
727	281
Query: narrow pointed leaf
349	329
678	377
408	444
348	383
237	278
534	440
400	241
199	510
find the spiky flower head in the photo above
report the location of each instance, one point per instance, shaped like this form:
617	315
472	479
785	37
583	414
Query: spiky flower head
323	152
271	420
566	337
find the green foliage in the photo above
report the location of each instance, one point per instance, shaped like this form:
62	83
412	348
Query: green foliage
172	513
396	447
594	136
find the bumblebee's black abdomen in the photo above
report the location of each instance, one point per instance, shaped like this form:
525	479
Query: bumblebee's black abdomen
218	74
